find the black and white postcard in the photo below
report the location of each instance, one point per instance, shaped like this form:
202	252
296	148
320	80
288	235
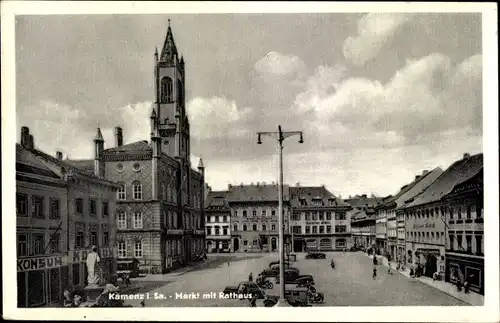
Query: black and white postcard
340	159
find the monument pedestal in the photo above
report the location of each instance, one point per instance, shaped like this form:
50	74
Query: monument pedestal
92	292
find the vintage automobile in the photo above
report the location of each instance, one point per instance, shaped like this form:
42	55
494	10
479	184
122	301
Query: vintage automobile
127	268
277	262
246	288
297	296
315	255
287	267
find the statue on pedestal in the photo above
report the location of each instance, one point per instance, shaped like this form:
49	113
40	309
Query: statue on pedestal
92	260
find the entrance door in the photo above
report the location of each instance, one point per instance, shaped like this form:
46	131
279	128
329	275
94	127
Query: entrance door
297	245
273	244
236	244
430	265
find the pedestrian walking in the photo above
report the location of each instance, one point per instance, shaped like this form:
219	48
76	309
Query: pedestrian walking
250	277
374	272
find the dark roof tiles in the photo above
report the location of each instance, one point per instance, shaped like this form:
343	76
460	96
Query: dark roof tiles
310	193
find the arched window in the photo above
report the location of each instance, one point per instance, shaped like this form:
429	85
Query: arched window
137	190
244	227
121	193
166	90
121	219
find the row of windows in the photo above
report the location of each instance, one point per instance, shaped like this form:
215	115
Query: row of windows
255	227
430	237
456	242
37	204
122	249
318	216
264	212
217	219
217	231
93	237
167	193
34	243
457	212
121	220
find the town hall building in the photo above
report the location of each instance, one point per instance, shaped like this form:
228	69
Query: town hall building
160	203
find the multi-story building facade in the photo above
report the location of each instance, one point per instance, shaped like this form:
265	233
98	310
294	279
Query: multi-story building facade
395	218
381	226
465	226
319	220
254	216
363	220
218	222
425	218
160	207
62	212
363	227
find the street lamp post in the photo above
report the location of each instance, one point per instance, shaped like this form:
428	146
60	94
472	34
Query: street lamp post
280	136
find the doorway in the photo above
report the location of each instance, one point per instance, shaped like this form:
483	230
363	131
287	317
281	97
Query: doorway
297	245
273	244
236	244
430	265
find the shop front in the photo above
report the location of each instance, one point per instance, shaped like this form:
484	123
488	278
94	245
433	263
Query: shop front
462	267
41	280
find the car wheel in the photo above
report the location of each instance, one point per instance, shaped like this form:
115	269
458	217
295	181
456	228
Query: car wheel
312	289
270	285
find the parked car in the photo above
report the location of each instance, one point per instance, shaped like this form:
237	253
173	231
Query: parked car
277	262
127	268
246	287
291	277
286	265
315	255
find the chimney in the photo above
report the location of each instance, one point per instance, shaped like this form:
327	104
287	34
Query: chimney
31	142
417	177
263	183
364	195
118	136
59	155
297	184
229	186
258	184
425	172
25	134
466	155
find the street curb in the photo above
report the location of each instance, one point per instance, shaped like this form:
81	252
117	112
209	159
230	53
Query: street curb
430	285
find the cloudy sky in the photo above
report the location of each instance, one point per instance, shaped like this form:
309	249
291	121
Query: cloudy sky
379	97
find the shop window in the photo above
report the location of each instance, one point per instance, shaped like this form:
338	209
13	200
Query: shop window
21	204
340	243
54	283
21	289
36	287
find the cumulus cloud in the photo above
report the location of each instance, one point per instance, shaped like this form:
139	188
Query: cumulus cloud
419	100
375	32
216	117
61	127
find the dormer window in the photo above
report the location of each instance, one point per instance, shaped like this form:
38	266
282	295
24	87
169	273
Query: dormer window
317	202
303	202
331	202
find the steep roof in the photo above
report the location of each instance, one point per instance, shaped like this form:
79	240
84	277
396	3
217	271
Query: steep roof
360	201
458	172
28	163
63	164
417	186
86	165
362	214
138	146
254	193
169	48
217	199
309	193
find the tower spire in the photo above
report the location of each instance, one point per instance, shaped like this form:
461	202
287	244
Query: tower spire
169	50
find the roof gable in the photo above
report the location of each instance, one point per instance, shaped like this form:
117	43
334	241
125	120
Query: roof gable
311	193
257	193
28	163
460	171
